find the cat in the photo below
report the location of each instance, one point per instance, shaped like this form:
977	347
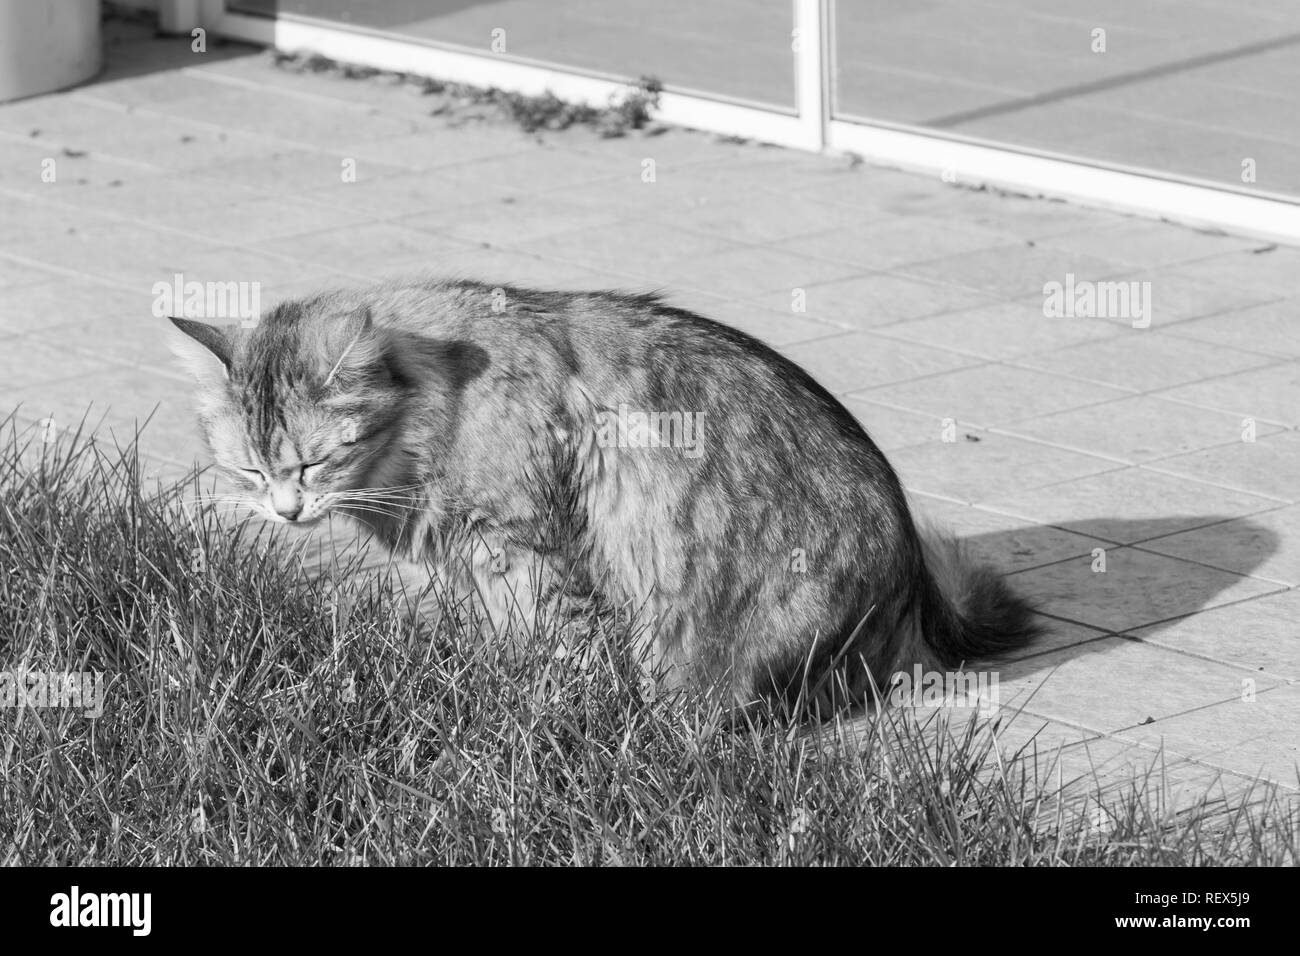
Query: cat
544	449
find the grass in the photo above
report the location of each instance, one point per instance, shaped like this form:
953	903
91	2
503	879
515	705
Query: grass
256	716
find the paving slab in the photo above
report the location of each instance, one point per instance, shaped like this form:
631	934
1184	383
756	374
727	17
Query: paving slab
1133	504
1120	589
1257	634
1139	428
1140	683
1266	466
1001	330
1270	394
980	466
1252	733
1143	362
860	358
992	395
1265	545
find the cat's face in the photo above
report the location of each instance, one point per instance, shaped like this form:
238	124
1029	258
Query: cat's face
310	462
296	413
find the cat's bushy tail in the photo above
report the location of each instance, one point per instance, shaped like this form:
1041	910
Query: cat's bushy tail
970	612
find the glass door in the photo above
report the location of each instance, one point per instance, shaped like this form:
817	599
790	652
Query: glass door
736	50
1199	90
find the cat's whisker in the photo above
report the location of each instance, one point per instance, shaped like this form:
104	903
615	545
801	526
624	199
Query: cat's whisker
392	502
228	502
396	493
386	504
377	511
381	492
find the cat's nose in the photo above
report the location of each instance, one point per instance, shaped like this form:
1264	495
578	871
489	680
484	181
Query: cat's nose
287	503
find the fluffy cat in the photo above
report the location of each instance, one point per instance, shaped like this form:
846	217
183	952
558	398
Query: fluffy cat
554	448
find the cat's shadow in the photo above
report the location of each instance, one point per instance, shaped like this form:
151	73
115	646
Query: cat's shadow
1127	578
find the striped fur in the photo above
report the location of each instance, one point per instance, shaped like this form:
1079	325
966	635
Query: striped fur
776	549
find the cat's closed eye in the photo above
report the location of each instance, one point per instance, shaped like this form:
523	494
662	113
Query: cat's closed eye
254	474
313	469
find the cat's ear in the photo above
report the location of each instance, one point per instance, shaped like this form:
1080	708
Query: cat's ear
204	350
354	346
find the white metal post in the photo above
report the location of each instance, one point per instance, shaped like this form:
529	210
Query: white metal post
812	58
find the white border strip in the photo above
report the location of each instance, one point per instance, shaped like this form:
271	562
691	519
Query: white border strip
1199	206
455	66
